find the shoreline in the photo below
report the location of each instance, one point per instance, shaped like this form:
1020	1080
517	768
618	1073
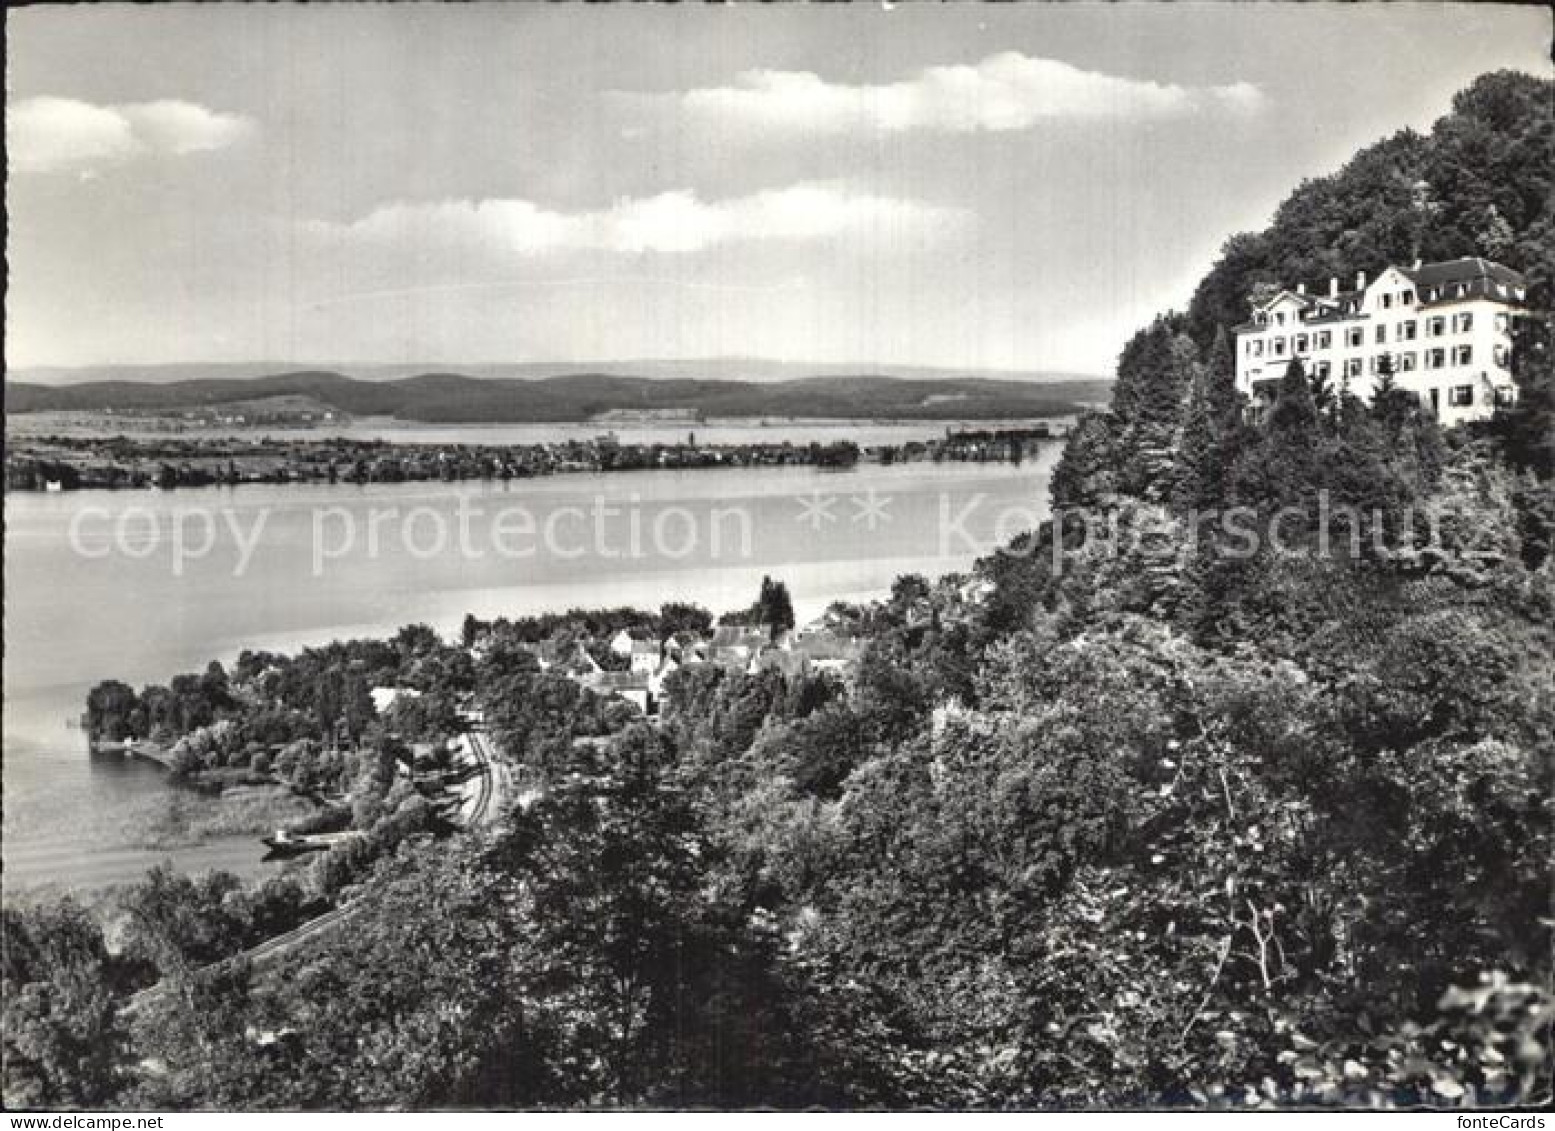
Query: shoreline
58	463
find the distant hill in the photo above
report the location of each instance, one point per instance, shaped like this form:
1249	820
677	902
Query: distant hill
704	369
461	398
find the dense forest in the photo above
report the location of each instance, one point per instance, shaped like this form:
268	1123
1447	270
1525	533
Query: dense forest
1146	819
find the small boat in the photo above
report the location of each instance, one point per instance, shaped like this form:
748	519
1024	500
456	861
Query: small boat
284	844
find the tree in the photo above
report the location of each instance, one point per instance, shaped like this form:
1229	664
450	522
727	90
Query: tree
110	711
774	608
65	1045
1526	428
1211	432
676	617
1151	381
1324	398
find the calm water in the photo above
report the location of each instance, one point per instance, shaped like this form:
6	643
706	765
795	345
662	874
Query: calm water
96	587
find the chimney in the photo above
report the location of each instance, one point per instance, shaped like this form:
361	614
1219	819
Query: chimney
1416	267
1301	288
1333	286
1360	280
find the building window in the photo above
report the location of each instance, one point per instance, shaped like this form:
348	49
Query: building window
1406	362
1352	368
1462	323
1354	336
1387	302
1301	343
1460	396
1435	327
1406	298
1325	339
1463	355
1503	356
1279	347
1503	321
1435	359
1505	395
1321	370
1382	334
1279	318
1406	331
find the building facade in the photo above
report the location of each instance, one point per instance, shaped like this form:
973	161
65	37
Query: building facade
1445	326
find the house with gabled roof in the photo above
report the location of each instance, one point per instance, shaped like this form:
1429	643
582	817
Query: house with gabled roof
1445	329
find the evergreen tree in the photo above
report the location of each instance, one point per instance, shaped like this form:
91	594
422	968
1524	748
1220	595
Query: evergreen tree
774	608
1287	467
1527	427
1294	420
1154	374
1212	431
1386	385
1324	396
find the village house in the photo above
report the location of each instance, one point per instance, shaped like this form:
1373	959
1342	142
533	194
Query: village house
735	645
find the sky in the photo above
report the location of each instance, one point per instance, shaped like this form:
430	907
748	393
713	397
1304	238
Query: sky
1008	187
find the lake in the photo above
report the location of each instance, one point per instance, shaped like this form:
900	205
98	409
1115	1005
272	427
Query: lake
141	585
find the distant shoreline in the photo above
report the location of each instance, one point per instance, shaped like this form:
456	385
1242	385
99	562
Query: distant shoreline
55	462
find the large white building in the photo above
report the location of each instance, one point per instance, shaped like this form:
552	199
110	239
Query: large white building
1447	327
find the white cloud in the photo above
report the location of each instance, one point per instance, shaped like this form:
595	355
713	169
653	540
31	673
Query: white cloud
671	222
170	126
47	134
1009	91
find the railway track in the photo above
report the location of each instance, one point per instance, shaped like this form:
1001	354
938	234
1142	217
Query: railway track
273	948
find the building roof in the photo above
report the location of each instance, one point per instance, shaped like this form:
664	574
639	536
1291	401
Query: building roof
1479	276
829	646
1467	269
737	636
616	681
